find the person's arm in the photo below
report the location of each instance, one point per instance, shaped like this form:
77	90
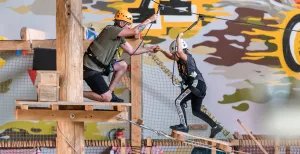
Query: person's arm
168	55
129	32
139	28
129	49
180	52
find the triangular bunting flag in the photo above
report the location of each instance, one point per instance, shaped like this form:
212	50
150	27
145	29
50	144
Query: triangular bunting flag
25	53
18	52
32	74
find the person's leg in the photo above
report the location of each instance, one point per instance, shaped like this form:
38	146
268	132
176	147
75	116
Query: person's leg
100	91
119	70
196	110
196	102
180	103
106	97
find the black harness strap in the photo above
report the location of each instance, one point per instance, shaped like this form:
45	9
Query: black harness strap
94	59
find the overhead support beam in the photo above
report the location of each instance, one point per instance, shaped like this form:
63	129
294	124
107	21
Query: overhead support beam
25	45
32	34
72	103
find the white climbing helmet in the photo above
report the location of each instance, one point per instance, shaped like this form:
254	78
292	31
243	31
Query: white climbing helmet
173	46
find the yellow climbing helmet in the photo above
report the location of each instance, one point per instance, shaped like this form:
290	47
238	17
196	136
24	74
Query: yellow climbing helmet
124	16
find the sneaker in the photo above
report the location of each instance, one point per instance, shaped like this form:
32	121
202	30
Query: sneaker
215	130
115	98
180	127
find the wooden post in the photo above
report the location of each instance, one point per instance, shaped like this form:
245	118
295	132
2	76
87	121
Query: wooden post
277	145
148	145
69	48
288	150
123	145
214	150
136	99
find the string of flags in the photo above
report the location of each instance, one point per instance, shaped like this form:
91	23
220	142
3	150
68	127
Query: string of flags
24	52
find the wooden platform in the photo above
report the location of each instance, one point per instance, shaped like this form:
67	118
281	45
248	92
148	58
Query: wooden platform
25	111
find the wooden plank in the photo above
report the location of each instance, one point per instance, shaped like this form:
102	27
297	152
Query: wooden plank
33	34
198	126
177	136
225	146
68	115
19	102
14	45
202	138
136	99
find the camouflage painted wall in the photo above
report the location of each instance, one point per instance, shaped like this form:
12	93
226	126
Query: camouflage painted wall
252	70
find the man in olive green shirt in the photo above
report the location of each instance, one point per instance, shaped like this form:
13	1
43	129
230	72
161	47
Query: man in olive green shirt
99	58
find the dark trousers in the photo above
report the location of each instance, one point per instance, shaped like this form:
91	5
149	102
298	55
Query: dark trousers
196	102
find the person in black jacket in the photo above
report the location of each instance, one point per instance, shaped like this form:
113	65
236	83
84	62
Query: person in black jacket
195	86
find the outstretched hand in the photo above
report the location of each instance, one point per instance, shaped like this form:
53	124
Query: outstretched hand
153	48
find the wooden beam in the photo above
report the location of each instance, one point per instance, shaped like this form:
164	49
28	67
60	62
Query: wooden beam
14	45
225	146
136	99
69	62
72	103
202	138
69	115
253	138
32	34
198	126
